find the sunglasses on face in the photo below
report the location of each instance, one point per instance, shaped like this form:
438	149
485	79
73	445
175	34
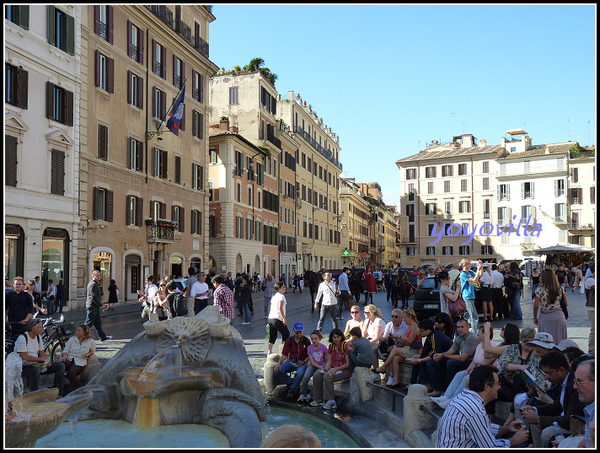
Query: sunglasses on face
395	316
355	312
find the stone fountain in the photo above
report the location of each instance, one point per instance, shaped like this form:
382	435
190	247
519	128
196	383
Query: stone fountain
183	371
28	417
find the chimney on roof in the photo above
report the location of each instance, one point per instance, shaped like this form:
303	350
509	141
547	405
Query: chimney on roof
466	141
224	123
482	143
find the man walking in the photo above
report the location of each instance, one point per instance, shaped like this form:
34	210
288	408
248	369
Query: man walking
344	289
329	301
467	280
93	303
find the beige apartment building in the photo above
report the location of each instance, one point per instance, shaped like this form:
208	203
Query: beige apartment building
448	188
243	210
355	226
318	169
143	188
248	101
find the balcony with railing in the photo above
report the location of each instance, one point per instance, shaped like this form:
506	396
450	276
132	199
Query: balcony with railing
160	231
271	137
163	13
201	45
323	151
183	30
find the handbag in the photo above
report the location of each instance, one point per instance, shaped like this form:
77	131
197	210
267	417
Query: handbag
457	307
563	305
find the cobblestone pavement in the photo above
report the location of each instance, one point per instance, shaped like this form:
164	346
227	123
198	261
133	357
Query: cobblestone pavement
124	323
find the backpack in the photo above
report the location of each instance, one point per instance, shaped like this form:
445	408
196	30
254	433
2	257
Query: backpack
180	305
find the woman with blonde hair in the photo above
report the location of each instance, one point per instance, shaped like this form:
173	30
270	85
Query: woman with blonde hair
291	436
548	297
355	321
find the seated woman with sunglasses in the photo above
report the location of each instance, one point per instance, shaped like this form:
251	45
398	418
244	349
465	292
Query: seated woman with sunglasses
408	346
355	321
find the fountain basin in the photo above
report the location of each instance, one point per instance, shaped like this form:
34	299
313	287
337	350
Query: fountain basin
41	414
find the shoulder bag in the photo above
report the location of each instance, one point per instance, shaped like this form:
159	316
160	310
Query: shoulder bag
457	307
563	305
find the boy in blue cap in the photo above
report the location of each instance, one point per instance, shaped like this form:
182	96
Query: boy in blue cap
294	357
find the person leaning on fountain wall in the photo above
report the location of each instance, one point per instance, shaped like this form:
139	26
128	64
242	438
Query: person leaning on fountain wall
35	361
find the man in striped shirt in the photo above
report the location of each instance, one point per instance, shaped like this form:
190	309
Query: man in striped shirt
465	423
223	297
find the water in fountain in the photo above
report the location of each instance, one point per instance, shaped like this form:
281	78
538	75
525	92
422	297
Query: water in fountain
165	365
13	387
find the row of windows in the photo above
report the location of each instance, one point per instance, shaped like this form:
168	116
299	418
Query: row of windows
463	250
103	206
255	231
318	171
309	230
446	170
159	160
318	199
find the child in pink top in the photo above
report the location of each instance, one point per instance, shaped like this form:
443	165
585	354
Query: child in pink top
316	356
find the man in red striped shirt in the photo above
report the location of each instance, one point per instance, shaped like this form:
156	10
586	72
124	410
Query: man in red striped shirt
223	297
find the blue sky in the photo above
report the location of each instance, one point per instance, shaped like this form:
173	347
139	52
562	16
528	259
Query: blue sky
388	79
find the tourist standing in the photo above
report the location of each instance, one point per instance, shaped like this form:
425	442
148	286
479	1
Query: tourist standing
344	289
277	315
93	303
200	292
223	297
500	309
191	301
548	297
327	293
467	280
268	286
113	294
61	296
18	306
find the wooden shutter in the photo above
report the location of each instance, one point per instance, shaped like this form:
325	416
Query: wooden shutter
193	222
10	160
181	219
24	17
110	75
128	218
178	169
139	154
97	20
102	142
68	107
139	212
163	62
153	67
163	105
129	88
95	204
109	205
97	69
49	100
140	59
22	86
51	25
163	168
57	173
110	24
70	34
163	210
140	93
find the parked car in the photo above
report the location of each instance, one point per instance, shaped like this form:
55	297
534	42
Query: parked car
427	299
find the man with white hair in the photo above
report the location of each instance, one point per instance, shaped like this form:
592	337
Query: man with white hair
585	384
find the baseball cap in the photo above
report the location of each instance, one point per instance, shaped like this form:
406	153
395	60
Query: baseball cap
298	326
543	339
486	265
567	343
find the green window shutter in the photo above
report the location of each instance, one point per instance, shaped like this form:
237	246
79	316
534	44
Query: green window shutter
51	25
24	17
70	32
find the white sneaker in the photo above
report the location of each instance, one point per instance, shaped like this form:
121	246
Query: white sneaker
245	323
390	380
376	376
302	398
330	405
441	401
316	403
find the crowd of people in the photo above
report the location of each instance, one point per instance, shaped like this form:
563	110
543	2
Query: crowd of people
547	379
